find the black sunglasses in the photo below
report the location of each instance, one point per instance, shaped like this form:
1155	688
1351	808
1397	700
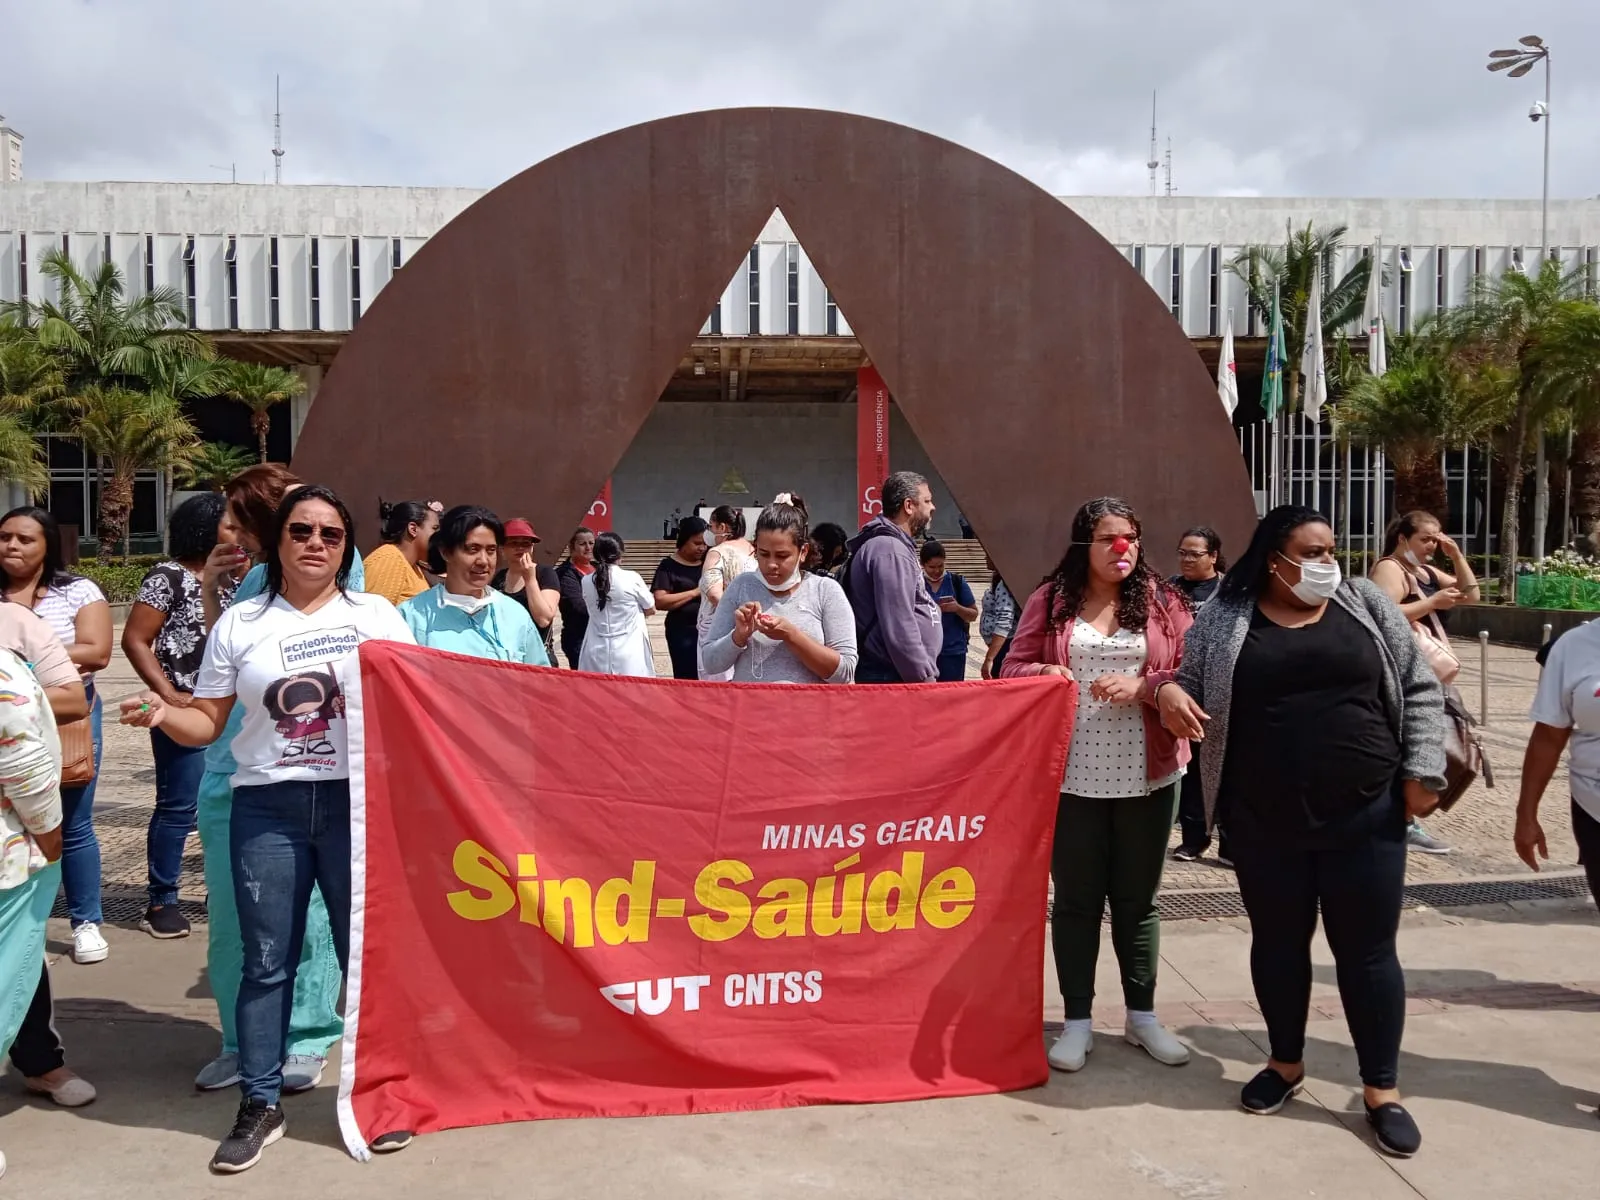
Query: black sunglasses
330	535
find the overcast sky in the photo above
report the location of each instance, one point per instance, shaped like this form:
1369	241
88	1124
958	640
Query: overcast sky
1288	98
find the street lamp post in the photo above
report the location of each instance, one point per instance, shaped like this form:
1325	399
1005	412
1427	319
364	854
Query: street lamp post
1517	63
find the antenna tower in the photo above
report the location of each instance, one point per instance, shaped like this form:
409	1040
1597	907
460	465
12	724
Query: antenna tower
277	131
1169	166
1152	162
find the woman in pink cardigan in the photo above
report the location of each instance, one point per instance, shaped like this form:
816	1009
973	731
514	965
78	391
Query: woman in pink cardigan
1108	622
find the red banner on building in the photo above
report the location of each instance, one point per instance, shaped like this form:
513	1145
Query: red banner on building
872	442
599	518
567	923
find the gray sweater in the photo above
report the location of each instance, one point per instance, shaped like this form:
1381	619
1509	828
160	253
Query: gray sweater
817	608
1411	693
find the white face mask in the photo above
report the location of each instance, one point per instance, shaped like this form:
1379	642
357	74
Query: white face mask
1410	556
786	585
1318	580
471	605
711	536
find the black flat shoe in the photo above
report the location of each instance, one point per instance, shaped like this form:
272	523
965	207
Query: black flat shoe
1268	1092
1398	1134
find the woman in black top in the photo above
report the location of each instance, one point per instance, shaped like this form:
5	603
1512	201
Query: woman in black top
1326	729
570	575
677	591
1200	570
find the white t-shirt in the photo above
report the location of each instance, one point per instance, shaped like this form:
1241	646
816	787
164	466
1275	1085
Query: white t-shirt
1567	699
282	665
59	607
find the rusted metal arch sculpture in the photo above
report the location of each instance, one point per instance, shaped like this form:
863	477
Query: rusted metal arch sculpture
513	361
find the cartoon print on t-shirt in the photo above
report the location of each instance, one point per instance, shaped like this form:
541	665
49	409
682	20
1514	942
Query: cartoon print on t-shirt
305	705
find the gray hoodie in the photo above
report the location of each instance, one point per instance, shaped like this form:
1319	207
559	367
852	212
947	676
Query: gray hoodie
897	621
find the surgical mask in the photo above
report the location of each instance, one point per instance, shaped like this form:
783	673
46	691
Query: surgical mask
1318	580
1410	556
711	537
471	605
789	583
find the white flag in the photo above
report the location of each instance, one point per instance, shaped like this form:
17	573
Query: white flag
1377	352
1313	370
1227	369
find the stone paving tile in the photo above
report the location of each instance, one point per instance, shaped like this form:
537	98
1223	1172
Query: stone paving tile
1479	827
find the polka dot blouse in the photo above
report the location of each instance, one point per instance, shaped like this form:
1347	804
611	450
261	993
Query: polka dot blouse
1107	758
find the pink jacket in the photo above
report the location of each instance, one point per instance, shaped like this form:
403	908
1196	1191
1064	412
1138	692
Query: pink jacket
1033	649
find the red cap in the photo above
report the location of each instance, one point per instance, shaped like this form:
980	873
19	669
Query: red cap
517	527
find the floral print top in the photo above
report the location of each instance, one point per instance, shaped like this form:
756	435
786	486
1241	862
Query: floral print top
30	771
173	589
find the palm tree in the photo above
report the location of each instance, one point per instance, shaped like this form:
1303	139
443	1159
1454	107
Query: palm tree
100	336
214	463
259	389
1570	354
1504	325
29	381
131	431
1413	413
1288	271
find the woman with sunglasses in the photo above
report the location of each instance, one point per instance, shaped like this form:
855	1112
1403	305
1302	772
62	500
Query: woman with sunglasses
464	614
1106	621
276	657
1321	728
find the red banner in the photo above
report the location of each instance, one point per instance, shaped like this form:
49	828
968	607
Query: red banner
872	442
599	518
563	923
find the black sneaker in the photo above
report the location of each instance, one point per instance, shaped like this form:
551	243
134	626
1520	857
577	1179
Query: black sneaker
165	921
256	1127
1268	1092
388	1143
1397	1133
1188	853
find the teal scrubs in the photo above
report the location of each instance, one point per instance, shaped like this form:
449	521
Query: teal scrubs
501	630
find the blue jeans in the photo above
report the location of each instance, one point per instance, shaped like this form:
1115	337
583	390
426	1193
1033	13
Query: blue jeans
80	849
178	772
286	837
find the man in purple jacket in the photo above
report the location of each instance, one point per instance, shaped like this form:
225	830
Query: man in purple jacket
898	633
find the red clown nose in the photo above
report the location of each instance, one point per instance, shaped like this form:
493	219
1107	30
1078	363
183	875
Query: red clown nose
1120	546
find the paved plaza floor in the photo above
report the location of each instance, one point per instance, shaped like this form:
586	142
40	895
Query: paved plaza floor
1501	1063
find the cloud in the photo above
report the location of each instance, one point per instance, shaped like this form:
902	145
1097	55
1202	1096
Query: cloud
1293	99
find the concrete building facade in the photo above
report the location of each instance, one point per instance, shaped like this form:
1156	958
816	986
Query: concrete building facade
283	273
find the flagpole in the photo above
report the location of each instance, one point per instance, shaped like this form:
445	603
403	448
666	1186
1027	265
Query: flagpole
1349	452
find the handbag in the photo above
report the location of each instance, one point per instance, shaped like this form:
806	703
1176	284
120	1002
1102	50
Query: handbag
1464	755
1432	641
77	753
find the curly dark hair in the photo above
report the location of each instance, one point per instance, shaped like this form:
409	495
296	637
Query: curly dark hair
192	528
1070	580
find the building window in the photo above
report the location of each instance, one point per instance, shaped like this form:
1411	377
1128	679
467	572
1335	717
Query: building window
1214	286
1441	278
714	328
394	251
753	284
108	247
830	310
272	284
231	257
1591	261
316	286
189	280
149	263
1403	260
793	266
355	281
22	266
1177	283
1516	259
66	244
1138	260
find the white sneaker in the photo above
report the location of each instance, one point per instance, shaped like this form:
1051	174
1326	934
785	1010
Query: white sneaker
1155	1041
73	1091
87	944
2	1164
1071	1049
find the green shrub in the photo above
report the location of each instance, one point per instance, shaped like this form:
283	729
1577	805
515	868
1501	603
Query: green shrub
119	581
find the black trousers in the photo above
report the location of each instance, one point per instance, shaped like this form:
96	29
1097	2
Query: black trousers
1586	831
681	648
1358	889
37	1050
